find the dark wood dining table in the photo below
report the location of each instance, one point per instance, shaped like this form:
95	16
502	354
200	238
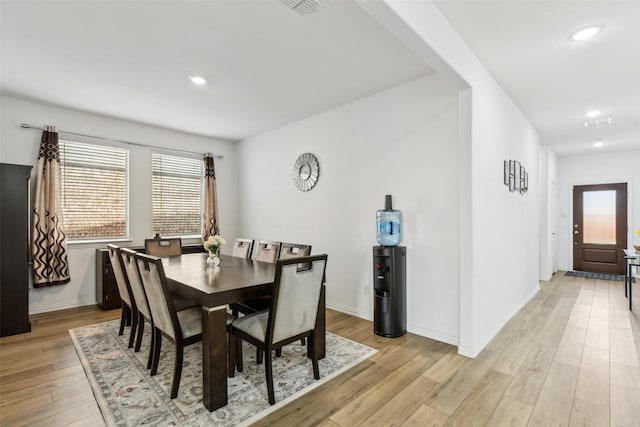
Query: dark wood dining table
234	280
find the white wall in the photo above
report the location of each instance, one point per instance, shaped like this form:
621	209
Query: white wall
548	213
20	146
596	168
499	273
400	142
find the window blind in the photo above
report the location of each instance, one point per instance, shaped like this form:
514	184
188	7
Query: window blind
177	195
94	189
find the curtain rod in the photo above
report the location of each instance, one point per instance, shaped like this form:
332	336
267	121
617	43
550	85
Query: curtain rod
28	126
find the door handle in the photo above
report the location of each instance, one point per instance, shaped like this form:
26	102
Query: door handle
575	232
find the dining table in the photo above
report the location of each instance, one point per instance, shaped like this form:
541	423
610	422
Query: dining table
214	287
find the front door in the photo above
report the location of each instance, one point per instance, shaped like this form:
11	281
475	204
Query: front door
599	227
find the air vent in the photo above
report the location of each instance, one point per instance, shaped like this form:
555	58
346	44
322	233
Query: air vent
303	7
598	122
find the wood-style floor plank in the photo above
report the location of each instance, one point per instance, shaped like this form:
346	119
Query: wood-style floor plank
568	357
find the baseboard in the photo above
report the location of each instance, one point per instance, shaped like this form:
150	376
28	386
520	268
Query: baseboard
434	335
348	310
473	352
57	307
427	333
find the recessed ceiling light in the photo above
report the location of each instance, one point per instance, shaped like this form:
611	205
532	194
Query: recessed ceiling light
598	143
586	33
199	80
593	113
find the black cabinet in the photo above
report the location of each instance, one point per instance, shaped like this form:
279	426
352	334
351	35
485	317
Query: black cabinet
107	294
15	254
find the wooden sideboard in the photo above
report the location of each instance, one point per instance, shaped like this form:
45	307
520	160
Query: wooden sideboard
107	294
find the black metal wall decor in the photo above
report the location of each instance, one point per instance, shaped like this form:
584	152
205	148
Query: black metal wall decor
515	176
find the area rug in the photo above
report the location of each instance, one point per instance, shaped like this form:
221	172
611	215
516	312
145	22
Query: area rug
601	276
129	396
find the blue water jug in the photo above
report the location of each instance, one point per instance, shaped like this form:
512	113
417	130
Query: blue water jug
388	224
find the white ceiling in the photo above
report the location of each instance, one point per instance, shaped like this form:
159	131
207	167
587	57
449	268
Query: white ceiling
266	65
554	80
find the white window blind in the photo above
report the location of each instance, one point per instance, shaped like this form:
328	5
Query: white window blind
177	195
94	189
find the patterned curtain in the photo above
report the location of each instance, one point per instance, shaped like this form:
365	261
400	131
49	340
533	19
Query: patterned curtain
49	246
210	211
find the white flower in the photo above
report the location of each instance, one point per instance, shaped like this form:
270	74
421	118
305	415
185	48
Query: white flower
213	243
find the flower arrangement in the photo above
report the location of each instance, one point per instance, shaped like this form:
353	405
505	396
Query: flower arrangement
213	243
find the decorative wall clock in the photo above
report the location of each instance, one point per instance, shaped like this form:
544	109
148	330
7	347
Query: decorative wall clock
306	171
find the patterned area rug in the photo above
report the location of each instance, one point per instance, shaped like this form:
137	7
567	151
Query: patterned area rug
129	396
601	276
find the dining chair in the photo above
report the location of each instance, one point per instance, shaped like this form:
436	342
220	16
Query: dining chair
267	251
242	248
163	247
180	303
144	312
129	306
292	315
181	327
294	250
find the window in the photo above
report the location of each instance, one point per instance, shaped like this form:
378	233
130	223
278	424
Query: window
177	195
94	190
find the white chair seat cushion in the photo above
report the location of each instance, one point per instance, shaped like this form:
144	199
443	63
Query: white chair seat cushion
254	324
190	321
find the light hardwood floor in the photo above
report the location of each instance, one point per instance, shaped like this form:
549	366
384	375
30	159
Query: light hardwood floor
569	357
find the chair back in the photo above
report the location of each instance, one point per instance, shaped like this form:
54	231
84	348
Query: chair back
296	297
242	248
294	250
267	251
121	276
158	295
131	267
163	247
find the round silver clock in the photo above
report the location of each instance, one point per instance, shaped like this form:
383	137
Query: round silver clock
306	170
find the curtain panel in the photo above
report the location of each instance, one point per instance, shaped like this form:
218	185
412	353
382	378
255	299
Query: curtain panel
49	245
210	208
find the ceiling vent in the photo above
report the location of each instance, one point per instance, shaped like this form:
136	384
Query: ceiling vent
598	122
303	7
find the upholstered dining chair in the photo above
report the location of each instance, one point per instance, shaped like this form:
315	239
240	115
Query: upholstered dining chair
242	248
163	247
294	250
181	327
144	312
292	315
180	303
129	307
267	251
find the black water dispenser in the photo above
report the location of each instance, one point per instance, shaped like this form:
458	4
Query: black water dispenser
389	290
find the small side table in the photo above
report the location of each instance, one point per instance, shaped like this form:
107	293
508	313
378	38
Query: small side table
632	259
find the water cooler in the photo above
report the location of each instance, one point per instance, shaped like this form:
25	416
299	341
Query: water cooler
389	275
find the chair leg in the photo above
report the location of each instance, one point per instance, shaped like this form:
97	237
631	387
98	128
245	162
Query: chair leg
279	352
156	351
269	373
134	324
123	318
314	358
177	370
258	356
152	347
239	354
302	341
140	333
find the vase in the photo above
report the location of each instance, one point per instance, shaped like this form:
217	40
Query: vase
213	259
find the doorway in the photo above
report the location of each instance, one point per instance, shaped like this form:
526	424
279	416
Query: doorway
599	227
